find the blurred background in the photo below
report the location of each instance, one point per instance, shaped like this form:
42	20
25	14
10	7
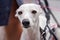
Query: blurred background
55	7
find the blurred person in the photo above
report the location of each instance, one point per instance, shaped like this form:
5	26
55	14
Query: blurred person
5	6
5	11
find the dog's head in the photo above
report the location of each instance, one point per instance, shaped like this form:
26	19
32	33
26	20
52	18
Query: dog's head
28	14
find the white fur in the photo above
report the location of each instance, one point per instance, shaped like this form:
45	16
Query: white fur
31	33
36	21
42	21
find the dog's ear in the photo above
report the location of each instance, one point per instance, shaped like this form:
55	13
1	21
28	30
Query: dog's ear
16	13
42	21
40	9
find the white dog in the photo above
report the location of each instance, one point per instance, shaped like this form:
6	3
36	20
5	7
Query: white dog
30	17
31	20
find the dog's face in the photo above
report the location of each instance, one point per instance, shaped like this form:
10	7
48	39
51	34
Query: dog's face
28	14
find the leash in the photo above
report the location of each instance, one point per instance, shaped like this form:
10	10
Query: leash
51	32
47	14
43	34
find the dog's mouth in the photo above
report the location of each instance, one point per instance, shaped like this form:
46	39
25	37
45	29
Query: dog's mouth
26	26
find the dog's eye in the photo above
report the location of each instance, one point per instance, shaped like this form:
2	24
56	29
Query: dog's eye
34	11
20	12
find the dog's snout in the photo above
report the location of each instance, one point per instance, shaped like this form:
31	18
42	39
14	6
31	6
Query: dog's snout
26	23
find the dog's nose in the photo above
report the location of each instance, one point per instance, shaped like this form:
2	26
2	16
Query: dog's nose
26	23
